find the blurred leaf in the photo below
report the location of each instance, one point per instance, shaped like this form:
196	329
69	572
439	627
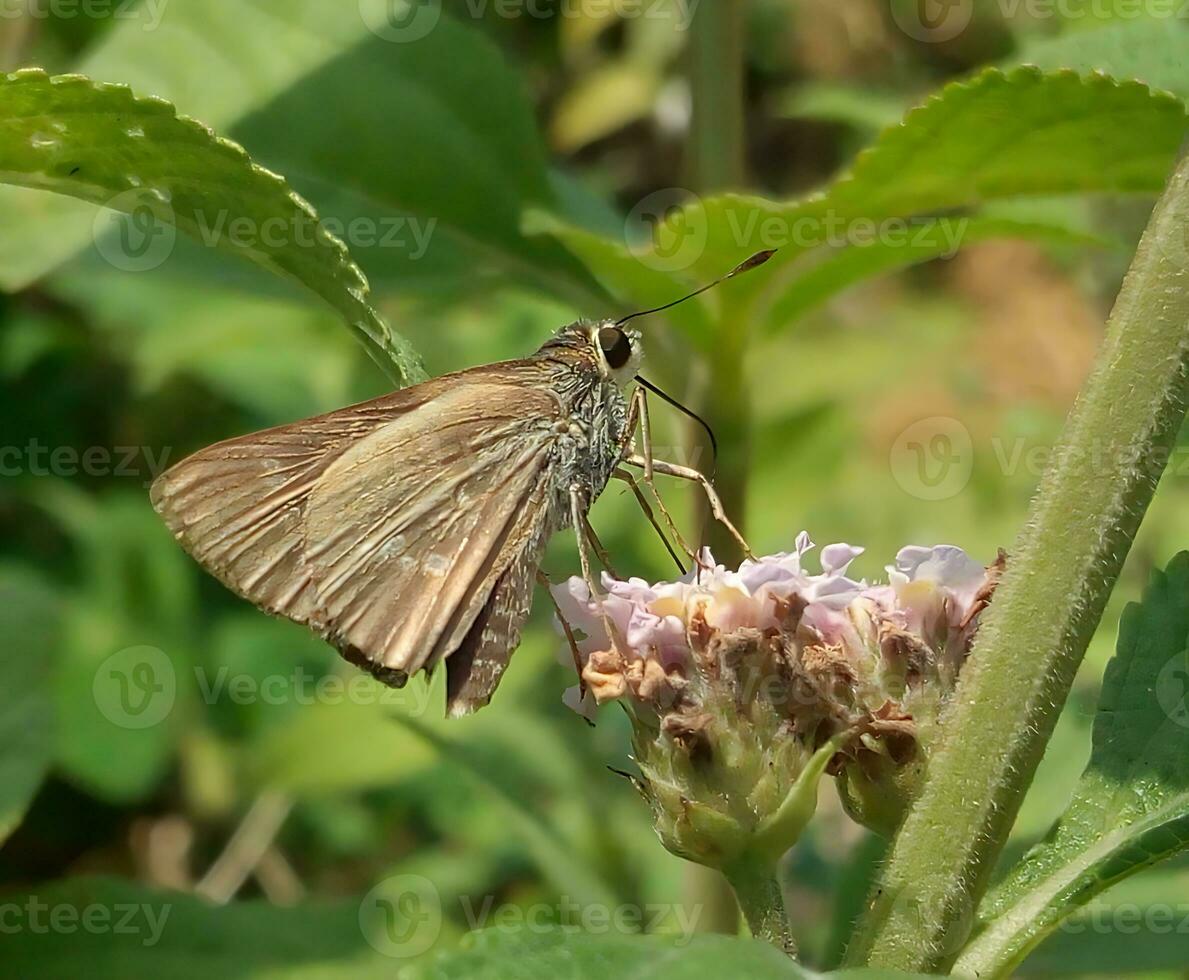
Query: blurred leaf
1150	51
496	954
343	742
109	929
168	327
556	859
1138	926
864	109
29	616
445	142
837	269
122	683
102	144
201	56
602	102
1131	808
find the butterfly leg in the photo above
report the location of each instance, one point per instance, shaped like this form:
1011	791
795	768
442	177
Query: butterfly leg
566	628
688	473
626	477
578	508
602	553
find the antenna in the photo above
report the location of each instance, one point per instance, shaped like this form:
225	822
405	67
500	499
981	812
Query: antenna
745	266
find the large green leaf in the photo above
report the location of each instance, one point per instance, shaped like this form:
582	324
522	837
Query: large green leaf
548	954
29	624
996	136
1131	808
102	144
201	56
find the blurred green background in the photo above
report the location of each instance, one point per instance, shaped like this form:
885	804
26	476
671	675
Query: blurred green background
331	792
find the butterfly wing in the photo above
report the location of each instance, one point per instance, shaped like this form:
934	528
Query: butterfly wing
387	527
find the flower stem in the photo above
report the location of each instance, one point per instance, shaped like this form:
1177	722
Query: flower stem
1116	443
757	887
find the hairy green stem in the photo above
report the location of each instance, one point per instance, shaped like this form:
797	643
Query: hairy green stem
1116	443
757	888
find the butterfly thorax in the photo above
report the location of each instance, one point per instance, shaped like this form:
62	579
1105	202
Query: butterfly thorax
591	431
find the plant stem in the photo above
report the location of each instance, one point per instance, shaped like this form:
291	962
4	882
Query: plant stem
1116	443
758	891
715	161
716	156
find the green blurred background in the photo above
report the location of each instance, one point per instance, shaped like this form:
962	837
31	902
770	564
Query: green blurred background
516	804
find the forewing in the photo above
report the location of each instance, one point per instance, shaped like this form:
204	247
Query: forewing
409	531
239	506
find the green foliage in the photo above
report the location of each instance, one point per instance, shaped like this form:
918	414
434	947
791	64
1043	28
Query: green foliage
493	955
102	144
443	137
28	616
1131	808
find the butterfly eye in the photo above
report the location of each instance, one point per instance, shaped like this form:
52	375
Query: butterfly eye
616	347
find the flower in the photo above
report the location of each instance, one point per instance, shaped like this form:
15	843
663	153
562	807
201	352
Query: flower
739	682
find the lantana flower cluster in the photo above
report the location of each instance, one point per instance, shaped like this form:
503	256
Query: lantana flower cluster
735	679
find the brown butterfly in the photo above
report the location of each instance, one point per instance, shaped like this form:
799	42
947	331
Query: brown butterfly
408	530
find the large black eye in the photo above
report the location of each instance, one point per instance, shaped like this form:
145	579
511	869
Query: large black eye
615	346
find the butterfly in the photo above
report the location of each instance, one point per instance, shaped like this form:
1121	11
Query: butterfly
408	530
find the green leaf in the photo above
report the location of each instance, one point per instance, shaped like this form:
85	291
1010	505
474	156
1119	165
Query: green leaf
1149	51
993	137
109	929
201	57
1131	808
444	141
102	144
497	954
28	621
1138	926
